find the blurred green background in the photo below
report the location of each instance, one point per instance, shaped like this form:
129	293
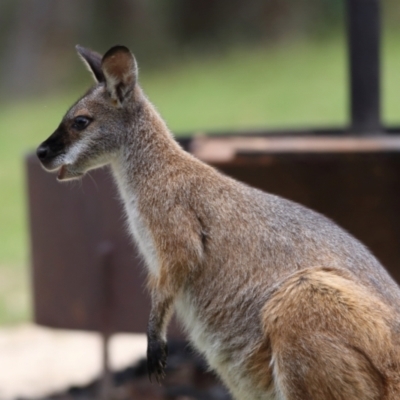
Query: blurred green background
207	66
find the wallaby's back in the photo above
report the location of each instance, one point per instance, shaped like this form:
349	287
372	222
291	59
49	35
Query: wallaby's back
259	250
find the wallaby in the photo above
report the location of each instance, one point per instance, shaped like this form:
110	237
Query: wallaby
284	304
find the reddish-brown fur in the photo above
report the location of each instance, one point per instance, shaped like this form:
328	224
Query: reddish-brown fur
331	338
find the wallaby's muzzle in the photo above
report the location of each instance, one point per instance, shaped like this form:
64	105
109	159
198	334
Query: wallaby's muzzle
51	148
42	152
46	155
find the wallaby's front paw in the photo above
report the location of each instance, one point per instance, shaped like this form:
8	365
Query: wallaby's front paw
157	352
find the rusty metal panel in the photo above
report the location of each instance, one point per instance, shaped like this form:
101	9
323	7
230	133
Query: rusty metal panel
86	271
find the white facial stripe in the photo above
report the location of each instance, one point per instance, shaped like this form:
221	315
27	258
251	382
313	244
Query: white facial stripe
75	151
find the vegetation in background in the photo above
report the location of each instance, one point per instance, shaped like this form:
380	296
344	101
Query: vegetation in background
36	36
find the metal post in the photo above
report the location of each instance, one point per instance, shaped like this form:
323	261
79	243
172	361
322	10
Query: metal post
105	251
363	24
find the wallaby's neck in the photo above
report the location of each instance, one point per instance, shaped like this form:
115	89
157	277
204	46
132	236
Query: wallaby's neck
147	151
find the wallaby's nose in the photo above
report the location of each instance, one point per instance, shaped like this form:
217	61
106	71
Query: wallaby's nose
42	152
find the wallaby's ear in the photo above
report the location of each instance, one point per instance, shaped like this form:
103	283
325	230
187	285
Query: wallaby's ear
120	72
92	60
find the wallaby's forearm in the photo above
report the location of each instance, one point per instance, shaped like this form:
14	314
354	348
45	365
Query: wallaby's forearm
157	349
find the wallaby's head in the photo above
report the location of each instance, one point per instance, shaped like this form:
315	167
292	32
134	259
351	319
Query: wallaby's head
90	132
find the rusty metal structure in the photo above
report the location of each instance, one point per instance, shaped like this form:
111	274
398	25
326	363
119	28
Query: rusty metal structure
85	269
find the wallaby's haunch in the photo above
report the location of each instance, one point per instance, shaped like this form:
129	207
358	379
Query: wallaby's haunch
282	302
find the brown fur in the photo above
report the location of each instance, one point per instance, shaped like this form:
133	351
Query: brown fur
283	303
325	309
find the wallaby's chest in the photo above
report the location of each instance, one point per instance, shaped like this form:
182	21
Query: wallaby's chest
142	235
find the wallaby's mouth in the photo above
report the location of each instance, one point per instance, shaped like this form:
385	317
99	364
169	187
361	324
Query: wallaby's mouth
66	173
57	163
62	172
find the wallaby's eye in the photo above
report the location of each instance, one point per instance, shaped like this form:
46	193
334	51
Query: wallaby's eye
81	122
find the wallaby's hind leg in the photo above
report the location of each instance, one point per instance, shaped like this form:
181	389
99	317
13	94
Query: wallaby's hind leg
303	372
330	340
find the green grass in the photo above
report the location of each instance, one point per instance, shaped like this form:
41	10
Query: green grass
298	84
